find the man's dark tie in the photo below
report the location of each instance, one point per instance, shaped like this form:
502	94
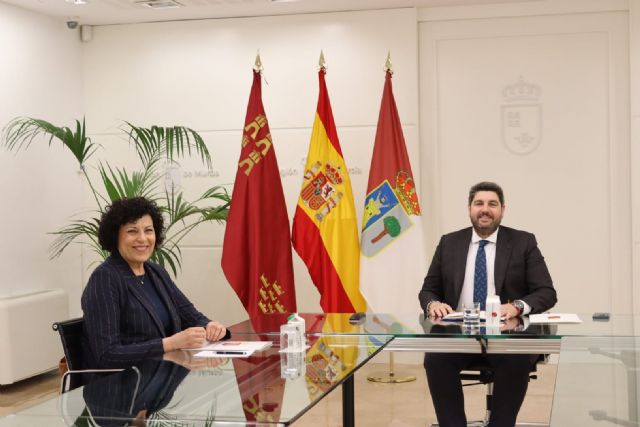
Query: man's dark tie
480	277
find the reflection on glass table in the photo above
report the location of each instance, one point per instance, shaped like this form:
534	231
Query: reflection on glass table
413	332
596	383
267	388
416	325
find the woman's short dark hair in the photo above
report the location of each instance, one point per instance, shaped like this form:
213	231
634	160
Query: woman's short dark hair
123	212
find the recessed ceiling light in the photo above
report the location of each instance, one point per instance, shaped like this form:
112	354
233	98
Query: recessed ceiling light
159	4
77	2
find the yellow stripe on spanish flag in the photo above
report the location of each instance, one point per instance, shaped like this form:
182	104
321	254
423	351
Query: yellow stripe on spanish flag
325	230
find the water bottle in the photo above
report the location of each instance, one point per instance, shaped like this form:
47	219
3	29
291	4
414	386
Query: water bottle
492	312
298	321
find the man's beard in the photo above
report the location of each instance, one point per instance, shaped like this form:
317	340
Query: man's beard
485	231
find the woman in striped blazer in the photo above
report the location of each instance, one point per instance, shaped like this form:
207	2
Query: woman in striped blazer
132	309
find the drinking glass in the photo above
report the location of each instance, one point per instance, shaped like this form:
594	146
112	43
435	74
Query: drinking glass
471	314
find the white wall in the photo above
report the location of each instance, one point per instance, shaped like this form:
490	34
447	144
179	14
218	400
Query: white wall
572	187
198	74
40	77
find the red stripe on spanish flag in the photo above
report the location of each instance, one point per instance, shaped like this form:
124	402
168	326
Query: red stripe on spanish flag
325	230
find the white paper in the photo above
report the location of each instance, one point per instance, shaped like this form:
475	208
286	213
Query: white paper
457	316
554	318
210	353
221	346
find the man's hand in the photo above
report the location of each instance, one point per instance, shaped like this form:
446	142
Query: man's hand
510	324
215	331
508	311
439	309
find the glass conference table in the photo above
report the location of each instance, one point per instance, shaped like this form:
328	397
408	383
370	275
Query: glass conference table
268	388
414	332
596	373
597	382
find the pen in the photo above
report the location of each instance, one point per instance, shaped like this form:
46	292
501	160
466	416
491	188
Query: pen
554	317
228	352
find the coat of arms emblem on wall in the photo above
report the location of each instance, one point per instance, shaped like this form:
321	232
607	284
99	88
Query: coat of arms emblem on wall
521	117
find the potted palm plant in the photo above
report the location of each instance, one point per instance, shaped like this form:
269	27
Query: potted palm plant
155	146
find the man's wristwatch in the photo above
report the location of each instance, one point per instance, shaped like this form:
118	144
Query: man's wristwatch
519	305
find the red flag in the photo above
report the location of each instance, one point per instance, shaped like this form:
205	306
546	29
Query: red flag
392	222
256	253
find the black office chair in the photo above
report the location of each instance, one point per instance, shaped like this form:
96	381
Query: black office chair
484	375
71	336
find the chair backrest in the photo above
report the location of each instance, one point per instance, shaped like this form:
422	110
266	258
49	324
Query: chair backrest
71	336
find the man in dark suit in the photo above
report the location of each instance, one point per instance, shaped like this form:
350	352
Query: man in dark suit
468	265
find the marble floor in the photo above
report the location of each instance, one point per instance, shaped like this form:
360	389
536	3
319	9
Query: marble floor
409	404
383	405
28	392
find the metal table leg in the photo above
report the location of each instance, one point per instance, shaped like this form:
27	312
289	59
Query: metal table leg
348	414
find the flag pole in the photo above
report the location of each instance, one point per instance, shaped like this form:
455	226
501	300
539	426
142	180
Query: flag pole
387	64
322	64
257	66
390	377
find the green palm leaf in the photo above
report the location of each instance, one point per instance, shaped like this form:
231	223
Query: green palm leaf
20	132
168	257
179	209
119	184
86	230
172	142
153	145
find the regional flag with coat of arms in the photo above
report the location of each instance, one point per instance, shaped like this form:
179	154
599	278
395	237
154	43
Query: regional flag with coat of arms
256	253
393	262
325	229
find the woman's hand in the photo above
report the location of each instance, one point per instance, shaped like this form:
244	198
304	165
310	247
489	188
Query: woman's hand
189	338
215	331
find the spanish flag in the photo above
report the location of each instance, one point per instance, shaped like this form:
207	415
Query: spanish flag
325	229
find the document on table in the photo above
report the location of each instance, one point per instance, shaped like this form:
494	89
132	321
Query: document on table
554	318
210	353
231	348
457	316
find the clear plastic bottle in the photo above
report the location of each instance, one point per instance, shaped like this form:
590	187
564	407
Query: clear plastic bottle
492	312
295	319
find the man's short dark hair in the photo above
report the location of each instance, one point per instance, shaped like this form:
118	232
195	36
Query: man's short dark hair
123	212
486	186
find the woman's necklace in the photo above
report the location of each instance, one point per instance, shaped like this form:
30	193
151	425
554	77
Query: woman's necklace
141	278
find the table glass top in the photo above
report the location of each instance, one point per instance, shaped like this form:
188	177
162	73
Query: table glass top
597	382
267	388
415	325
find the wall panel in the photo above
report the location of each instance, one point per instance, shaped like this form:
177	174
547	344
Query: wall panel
540	105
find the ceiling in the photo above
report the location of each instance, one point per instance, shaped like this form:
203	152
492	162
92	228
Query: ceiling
105	12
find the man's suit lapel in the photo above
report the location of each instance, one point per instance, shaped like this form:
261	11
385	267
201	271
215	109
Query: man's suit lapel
460	251
503	253
133	283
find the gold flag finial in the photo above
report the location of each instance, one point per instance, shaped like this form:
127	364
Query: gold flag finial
387	65
321	62
257	67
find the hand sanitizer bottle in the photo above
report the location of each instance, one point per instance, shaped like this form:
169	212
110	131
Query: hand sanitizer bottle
492	312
